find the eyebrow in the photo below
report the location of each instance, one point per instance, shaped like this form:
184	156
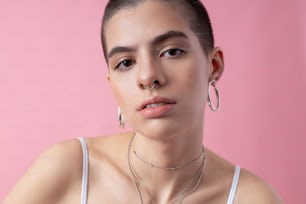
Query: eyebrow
119	49
170	34
157	40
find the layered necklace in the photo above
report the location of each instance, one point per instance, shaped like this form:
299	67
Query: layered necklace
190	187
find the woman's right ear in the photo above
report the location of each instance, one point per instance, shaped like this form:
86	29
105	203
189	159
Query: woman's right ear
108	78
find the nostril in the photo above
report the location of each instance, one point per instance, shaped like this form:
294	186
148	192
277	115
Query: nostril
156	82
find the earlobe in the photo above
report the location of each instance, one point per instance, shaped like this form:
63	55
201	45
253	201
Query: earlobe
217	64
108	78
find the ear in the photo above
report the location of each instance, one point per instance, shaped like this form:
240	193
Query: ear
108	77
217	64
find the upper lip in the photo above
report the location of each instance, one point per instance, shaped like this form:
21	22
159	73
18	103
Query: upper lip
157	99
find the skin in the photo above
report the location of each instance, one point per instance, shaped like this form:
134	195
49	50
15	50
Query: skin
183	71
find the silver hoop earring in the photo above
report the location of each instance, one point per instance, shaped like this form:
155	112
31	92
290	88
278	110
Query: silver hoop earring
120	118
212	84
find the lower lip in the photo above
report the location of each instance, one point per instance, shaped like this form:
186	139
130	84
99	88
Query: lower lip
156	112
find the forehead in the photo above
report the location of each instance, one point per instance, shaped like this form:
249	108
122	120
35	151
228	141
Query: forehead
143	22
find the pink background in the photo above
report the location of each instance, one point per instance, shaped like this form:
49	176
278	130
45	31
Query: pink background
53	85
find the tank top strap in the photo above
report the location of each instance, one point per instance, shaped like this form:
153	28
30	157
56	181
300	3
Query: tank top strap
234	186
85	171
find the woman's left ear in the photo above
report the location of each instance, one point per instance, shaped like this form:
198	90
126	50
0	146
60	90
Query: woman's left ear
217	64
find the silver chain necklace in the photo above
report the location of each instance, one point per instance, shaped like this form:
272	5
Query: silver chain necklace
170	168
195	179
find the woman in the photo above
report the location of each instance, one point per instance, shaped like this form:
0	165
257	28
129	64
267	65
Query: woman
163	68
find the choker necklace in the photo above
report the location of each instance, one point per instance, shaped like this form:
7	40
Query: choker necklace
193	184
174	167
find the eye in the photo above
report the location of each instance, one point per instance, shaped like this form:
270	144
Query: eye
174	52
124	65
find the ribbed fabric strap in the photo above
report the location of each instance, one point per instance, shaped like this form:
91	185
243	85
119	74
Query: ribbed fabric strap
85	171
234	186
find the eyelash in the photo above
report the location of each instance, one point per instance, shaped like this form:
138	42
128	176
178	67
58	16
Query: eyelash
181	52
131	62
126	67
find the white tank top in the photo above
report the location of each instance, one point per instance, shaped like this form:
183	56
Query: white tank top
230	199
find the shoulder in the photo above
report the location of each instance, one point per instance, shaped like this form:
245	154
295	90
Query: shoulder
61	158
55	170
253	189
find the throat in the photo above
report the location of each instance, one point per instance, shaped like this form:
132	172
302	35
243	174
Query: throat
166	181
171	168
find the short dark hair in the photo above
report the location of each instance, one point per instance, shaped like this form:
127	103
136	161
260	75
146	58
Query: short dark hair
198	19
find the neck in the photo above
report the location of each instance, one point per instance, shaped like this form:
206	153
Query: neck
166	154
177	151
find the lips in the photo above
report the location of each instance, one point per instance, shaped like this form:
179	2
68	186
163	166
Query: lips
156	107
155	102
152	105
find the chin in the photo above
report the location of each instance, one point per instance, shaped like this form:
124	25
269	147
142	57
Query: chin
160	129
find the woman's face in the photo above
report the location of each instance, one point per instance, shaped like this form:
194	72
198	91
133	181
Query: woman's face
149	43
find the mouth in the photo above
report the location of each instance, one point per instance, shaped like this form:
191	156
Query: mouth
155	102
152	105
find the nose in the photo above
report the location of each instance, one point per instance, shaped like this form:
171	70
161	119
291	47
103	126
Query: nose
150	74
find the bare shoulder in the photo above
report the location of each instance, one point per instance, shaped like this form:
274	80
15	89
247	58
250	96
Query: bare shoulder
57	169
253	189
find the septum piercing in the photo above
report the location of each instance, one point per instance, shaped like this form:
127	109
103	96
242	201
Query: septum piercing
149	88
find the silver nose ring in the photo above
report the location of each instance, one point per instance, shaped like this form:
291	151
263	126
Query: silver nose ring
150	88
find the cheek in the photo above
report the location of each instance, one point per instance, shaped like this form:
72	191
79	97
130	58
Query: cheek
118	93
124	93
195	75
196	84
123	89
